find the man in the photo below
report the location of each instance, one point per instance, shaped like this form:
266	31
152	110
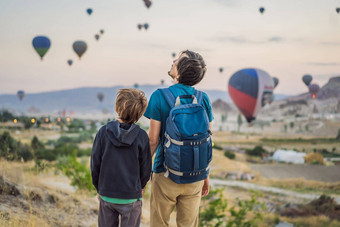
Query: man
186	71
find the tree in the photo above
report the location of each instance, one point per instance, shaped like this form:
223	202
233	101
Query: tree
36	144
285	128
291	124
338	136
239	121
7	146
306	127
224	117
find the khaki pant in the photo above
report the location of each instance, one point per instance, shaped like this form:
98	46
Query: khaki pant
166	194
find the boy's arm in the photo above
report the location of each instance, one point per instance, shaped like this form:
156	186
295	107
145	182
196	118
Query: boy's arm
145	163
96	160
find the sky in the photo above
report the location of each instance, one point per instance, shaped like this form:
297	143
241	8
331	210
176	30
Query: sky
290	39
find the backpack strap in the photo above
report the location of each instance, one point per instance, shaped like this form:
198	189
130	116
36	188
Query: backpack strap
199	95
169	97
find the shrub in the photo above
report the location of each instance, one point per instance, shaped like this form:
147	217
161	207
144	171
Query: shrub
314	158
217	147
13	150
78	173
245	213
229	154
256	151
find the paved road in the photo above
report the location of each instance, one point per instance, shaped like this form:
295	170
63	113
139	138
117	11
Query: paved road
248	186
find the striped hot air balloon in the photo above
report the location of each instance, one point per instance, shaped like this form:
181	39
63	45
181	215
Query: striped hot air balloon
250	89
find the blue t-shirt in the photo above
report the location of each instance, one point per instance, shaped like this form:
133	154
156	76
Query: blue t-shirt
158	109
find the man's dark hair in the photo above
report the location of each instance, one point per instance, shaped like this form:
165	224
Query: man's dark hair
191	68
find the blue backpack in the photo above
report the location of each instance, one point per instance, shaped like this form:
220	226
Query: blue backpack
187	139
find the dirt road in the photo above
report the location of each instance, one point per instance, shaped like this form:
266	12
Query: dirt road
309	172
250	186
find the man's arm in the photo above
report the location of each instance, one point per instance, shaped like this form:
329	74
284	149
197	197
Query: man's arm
205	188
154	130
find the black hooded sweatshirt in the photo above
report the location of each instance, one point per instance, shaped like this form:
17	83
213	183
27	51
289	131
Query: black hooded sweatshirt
120	160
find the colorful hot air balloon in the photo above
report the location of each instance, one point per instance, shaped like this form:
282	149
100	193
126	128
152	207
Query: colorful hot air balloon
69	62
173	54
221	70
276	81
147	3
146	26
261	9
337	10
100	96
41	45
139	26
20	94
314	90
89	11
96	36
307	79
79	47
101	31
250	89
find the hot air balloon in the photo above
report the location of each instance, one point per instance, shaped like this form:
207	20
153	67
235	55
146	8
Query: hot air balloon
139	26
250	89
41	45
69	62
162	82
89	11
147	3
276	81
314	90
102	31
100	96
136	85
146	26
79	47
338	10
221	70
261	9
173	54
307	79
96	36
20	94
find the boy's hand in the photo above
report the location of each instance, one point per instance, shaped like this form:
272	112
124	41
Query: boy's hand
98	197
143	190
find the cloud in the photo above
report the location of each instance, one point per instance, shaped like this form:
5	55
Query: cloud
236	39
330	43
242	40
232	3
275	39
325	76
323	63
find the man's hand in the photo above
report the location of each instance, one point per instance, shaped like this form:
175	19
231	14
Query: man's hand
205	188
98	197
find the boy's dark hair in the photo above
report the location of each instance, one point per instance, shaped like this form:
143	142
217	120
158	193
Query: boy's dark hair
130	105
191	68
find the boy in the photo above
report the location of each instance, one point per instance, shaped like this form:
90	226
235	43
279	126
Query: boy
121	162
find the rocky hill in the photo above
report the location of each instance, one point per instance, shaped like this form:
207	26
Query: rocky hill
221	106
